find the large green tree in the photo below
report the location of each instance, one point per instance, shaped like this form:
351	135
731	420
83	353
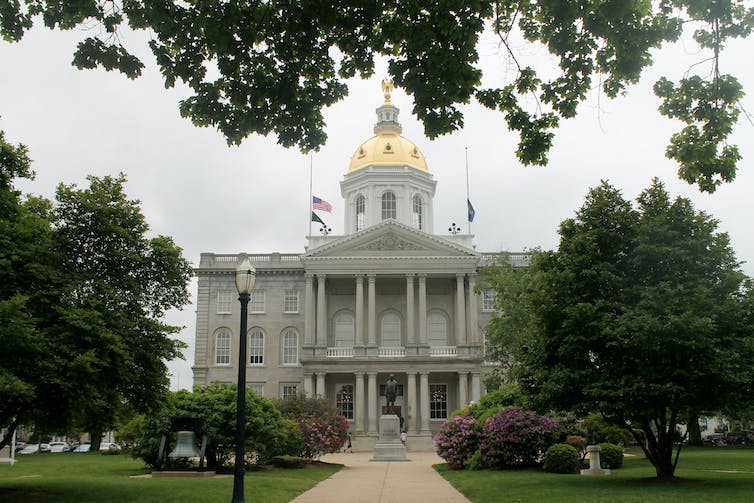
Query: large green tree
27	281
121	283
272	66
83	289
641	314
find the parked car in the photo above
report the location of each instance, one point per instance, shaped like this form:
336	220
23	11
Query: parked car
82	448
109	446
738	438
714	439
34	448
59	447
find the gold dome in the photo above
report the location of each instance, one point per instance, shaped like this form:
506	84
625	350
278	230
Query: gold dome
388	149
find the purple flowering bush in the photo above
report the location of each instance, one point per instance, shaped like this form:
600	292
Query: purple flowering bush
457	441
516	437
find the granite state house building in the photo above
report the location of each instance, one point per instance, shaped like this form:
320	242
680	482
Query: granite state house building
388	297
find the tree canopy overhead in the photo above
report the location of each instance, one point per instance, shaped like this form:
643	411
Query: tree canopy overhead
272	66
642	314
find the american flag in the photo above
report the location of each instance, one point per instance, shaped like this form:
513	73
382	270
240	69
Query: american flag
321	204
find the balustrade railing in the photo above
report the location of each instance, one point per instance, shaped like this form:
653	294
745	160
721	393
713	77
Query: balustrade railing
392	352
339	352
442	351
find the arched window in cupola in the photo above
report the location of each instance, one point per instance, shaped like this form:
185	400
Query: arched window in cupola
388	205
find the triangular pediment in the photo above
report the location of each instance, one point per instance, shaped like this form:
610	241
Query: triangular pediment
390	238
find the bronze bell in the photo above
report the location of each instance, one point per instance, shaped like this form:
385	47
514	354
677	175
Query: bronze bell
185	445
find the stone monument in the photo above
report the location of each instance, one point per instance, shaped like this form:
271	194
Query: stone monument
389	446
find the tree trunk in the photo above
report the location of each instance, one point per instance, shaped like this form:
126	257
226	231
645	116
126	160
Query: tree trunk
95	438
658	447
695	433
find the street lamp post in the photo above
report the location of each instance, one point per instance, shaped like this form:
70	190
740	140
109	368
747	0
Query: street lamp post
245	277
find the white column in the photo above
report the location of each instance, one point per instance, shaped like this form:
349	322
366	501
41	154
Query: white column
372	402
424	400
321	383
460	311
358	402
321	311
309	385
462	389
371	330
410	332
359	310
423	310
476	386
411	415
309	310
473	309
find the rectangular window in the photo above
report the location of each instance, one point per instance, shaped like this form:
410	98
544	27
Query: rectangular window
224	301
289	390
488	301
438	401
257	388
344	401
290	302
257	301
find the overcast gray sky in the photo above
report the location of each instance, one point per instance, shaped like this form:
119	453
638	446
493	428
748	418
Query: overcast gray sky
254	198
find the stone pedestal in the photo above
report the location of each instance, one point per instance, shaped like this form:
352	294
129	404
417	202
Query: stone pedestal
593	451
389	446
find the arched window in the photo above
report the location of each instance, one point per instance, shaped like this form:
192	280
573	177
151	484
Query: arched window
437	328
388	205
361	206
344	330
391	330
222	346
417	215
290	347
256	346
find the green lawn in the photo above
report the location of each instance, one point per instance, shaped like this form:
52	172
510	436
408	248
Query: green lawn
81	478
700	472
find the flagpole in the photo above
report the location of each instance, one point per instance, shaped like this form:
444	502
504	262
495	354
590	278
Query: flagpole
309	213
466	149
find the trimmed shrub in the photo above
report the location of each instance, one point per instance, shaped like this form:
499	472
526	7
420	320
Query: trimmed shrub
457	441
611	456
562	458
516	437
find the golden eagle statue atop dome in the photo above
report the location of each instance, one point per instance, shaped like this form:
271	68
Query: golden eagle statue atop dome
387	88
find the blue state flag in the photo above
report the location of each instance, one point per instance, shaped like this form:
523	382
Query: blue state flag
472	213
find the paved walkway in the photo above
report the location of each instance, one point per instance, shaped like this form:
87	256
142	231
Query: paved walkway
362	481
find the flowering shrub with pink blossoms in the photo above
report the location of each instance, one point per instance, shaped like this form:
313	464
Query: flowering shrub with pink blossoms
323	429
516	437
457	441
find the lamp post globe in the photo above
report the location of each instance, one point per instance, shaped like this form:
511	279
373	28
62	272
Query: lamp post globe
245	279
